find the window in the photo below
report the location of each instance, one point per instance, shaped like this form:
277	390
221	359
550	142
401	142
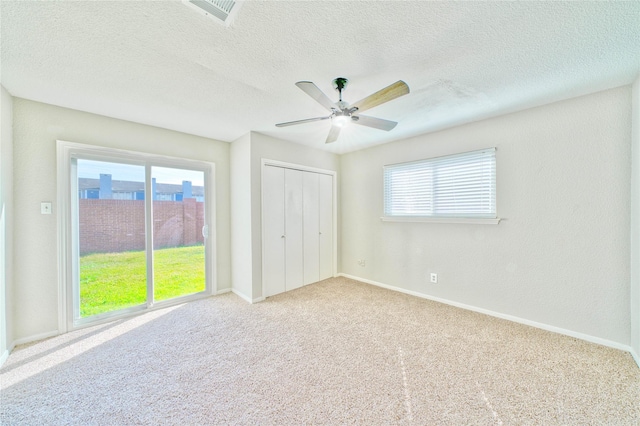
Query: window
454	186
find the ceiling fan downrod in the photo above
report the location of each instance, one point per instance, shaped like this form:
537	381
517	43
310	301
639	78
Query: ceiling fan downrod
340	84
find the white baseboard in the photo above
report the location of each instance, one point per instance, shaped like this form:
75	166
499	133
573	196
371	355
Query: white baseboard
35	337
4	357
247	298
581	336
223	291
241	295
635	356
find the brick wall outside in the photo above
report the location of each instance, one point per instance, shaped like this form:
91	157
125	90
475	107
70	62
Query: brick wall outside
108	226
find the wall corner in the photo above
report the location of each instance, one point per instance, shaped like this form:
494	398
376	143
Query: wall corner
6	224
635	220
241	216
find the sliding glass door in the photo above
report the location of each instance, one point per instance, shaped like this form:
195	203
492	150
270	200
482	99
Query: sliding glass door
178	232
111	237
139	234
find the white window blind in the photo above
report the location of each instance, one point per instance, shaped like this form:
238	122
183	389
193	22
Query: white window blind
455	186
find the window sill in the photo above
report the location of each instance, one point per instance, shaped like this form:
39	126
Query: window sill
479	221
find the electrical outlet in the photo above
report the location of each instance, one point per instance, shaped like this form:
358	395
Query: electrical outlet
434	277
362	262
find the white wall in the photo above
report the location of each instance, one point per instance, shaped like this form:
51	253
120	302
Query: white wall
635	223
241	259
6	223
37	126
561	255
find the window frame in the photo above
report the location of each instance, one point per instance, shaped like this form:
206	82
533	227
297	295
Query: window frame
67	152
428	163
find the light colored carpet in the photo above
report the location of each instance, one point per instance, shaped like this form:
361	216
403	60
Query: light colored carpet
335	352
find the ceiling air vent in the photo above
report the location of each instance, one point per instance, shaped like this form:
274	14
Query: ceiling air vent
223	11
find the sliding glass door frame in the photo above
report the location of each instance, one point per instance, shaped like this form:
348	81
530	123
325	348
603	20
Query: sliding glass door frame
68	229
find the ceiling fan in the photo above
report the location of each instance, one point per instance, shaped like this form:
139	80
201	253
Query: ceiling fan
343	113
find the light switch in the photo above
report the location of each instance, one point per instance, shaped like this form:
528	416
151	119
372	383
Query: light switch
45	208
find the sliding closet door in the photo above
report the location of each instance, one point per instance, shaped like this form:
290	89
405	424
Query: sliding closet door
274	232
297	220
294	248
311	222
325	225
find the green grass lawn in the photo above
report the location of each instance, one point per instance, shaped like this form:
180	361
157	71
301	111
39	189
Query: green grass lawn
112	281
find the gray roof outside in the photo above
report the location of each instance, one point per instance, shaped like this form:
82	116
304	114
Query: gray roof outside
129	186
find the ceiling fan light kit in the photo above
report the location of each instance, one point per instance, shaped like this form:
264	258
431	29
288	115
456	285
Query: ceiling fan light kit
342	113
341	120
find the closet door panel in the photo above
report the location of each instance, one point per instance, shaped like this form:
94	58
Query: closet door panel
311	223
325	220
274	231
294	247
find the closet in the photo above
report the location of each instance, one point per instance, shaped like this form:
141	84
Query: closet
297	223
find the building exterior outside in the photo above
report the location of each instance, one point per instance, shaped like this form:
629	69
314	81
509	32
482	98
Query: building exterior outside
107	189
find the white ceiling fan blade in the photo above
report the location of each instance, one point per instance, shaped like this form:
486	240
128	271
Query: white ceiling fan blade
377	123
312	90
306	120
395	90
333	134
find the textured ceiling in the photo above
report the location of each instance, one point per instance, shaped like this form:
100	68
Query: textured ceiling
164	64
